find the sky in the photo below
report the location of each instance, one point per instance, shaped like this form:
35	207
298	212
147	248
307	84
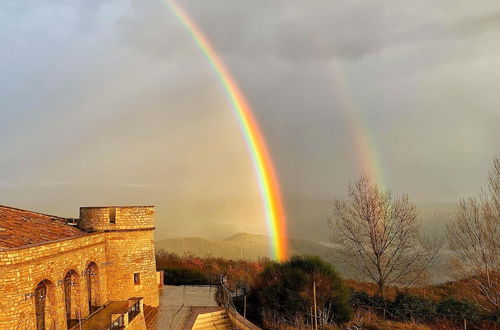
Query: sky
111	103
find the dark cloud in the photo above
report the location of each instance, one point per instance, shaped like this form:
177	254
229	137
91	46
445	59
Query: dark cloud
322	30
116	94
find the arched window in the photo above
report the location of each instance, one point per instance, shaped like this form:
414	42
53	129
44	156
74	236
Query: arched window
43	304
92	275
71	292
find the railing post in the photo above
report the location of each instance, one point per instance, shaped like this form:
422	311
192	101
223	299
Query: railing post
125	319
245	307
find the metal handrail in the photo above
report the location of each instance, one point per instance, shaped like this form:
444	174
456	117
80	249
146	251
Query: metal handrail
133	311
227	295
118	323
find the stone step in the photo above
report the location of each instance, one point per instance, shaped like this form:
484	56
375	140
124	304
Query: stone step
223	325
226	327
208	315
212	322
212	319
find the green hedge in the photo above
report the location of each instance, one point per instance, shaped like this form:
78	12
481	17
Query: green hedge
185	276
459	309
405	307
361	298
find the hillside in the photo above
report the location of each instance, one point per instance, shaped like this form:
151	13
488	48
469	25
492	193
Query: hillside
252	247
248	246
306	219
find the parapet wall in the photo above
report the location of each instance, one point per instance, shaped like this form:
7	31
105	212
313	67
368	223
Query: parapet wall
111	218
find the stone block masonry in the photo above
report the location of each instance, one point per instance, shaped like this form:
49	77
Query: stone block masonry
109	258
23	269
117	218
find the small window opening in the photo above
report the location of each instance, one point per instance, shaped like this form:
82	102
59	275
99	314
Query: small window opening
112	215
137	278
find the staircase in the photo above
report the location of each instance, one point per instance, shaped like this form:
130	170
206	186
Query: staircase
213	320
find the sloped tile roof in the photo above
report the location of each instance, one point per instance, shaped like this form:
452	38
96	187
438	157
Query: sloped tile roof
20	228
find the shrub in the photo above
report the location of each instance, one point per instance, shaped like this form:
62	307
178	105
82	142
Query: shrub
286	290
185	276
407	307
458	309
360	298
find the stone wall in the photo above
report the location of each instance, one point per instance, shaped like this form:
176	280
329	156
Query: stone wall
23	269
102	265
128	253
129	217
129	249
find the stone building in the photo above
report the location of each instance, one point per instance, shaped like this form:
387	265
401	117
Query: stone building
94	272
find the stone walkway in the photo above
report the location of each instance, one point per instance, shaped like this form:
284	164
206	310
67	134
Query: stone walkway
176	301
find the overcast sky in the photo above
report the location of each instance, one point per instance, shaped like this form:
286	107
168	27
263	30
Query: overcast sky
111	102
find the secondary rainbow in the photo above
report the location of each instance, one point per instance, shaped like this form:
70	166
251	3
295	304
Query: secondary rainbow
263	165
364	142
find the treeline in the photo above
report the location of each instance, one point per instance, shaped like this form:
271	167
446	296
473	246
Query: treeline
379	235
281	293
407	307
192	270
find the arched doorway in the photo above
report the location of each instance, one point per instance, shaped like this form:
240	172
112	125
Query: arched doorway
43	305
70	284
92	274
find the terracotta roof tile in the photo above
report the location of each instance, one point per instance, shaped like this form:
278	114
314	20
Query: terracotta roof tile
20	228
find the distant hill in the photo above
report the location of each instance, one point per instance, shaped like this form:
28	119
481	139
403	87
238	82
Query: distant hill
250	246
307	218
253	247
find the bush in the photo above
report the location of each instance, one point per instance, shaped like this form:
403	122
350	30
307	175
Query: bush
407	307
458	309
286	290
185	276
361	298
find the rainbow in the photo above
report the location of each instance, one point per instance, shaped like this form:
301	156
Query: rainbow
263	165
369	162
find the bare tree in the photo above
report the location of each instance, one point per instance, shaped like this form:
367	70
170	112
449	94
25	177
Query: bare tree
380	236
474	238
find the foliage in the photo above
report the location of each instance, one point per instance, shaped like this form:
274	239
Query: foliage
407	307
238	272
442	313
185	276
440	306
285	290
367	320
459	309
360	298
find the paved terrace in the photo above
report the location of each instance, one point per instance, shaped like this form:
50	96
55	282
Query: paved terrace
177	301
